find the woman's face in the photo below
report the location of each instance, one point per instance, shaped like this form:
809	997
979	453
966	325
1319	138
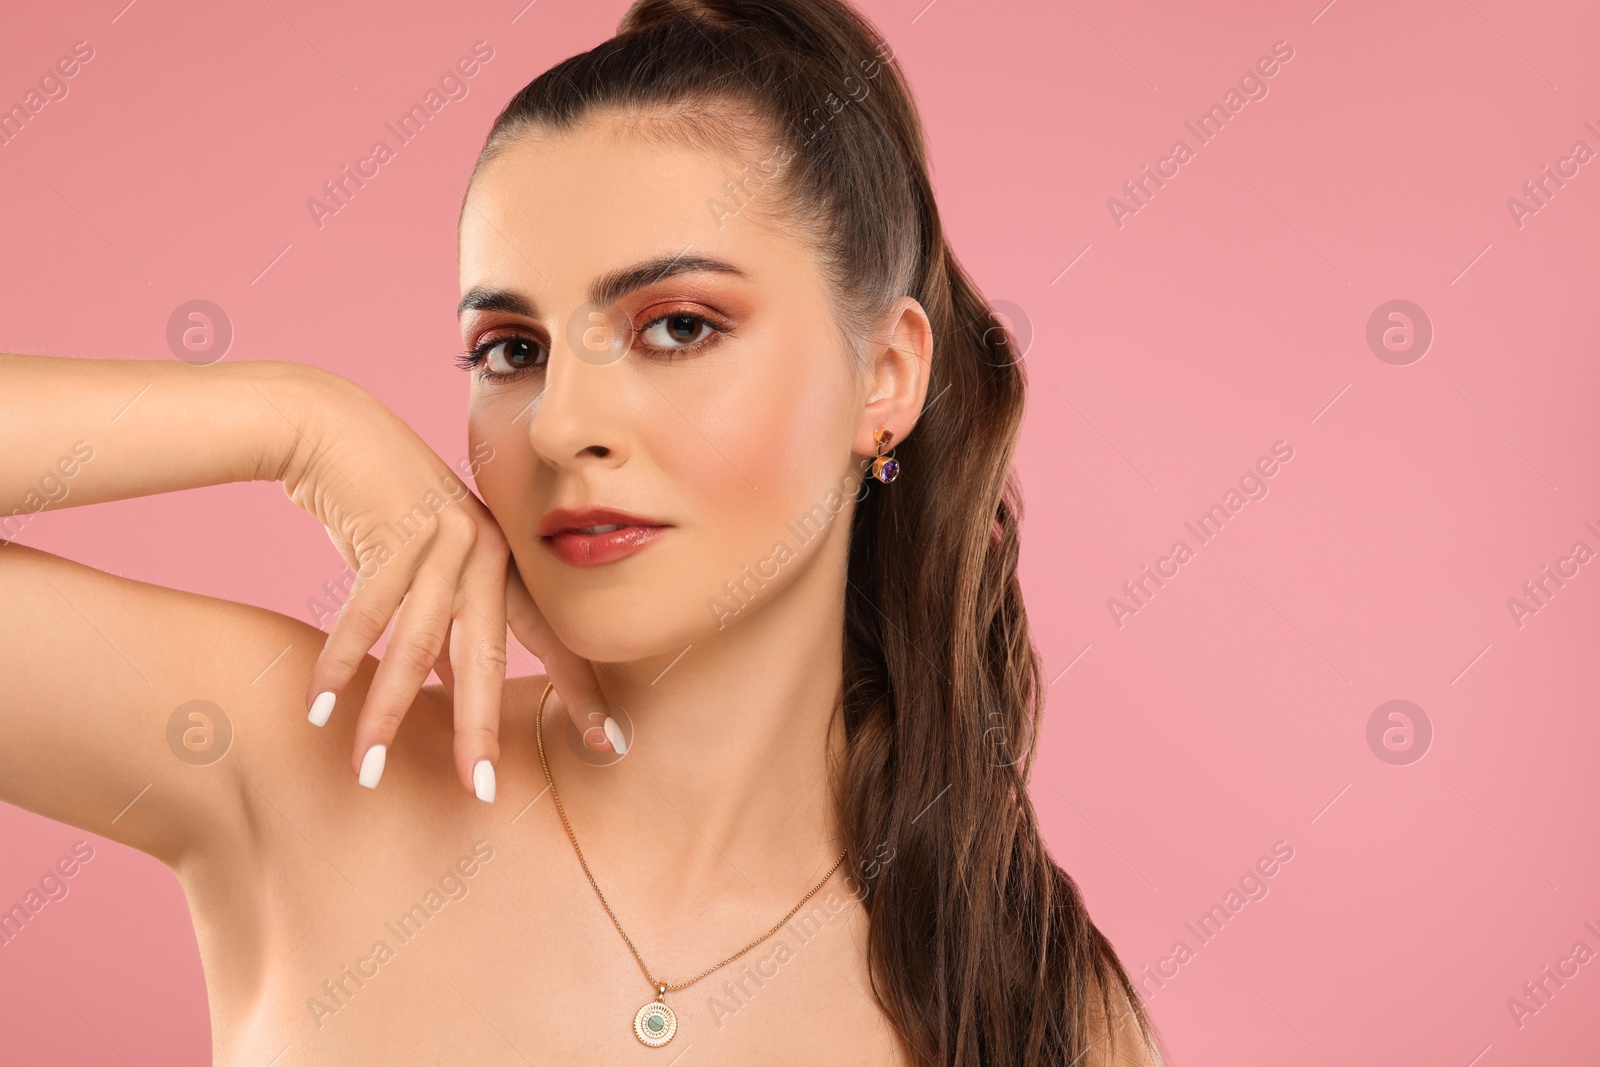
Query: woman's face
719	401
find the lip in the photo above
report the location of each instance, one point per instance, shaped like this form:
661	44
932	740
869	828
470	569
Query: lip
559	532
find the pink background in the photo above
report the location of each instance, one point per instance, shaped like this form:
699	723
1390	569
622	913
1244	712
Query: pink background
1227	314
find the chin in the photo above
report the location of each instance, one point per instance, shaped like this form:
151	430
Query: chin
603	638
621	622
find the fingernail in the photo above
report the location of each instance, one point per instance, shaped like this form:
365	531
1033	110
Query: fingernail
321	708
483	780
372	766
614	735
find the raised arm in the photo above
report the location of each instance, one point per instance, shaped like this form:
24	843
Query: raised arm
83	431
96	667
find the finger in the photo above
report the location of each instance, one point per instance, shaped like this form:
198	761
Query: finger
373	602
478	658
420	630
441	667
572	675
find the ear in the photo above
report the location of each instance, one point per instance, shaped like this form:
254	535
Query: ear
896	376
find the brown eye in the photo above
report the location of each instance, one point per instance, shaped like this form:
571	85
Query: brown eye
509	355
679	330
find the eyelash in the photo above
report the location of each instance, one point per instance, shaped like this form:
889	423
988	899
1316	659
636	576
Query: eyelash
475	358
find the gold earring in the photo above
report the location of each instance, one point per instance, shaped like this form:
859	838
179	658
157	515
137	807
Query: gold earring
885	468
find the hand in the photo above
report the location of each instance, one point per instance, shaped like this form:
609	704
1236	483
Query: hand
428	555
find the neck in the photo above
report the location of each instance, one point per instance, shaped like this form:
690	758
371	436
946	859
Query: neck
732	742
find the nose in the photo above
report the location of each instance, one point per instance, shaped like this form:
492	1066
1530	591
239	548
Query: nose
579	419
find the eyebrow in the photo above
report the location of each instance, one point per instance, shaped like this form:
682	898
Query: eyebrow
607	289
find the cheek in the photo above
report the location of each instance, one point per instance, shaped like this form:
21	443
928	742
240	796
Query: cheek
503	478
759	446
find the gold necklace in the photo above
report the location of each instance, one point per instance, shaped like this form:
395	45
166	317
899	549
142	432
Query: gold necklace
655	1023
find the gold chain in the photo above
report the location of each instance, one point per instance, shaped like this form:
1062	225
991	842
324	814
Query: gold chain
665	987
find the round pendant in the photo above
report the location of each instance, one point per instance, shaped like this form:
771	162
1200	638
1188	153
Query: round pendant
654	1024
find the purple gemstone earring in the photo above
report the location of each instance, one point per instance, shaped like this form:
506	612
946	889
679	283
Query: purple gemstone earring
885	468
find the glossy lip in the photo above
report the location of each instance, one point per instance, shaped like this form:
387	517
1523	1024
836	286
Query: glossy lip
558	531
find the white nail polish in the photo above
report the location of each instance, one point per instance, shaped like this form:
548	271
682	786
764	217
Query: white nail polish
614	735
372	766
483	780
321	708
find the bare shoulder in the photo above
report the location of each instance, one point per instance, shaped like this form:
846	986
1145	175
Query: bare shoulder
153	716
1117	1035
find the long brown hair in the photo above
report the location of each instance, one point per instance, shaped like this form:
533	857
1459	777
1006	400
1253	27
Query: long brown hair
980	948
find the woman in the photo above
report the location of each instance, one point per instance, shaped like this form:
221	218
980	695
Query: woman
742	429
